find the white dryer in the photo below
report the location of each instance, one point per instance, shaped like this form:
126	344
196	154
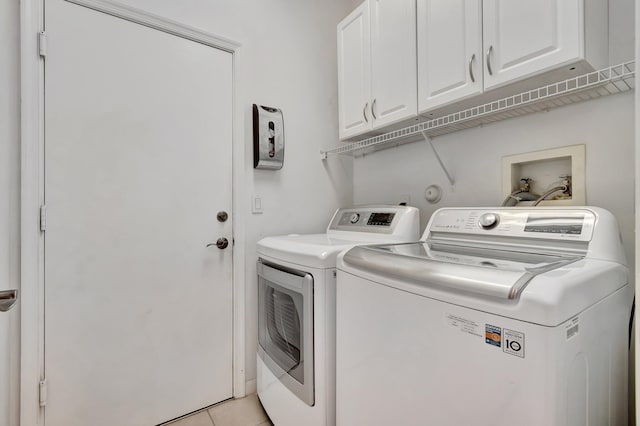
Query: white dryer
498	317
296	310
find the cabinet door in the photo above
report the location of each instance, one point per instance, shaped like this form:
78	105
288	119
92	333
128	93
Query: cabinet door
393	53
527	37
354	73
449	51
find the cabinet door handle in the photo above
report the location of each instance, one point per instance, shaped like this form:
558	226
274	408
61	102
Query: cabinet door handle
489	59
473	58
364	112
373	110
8	298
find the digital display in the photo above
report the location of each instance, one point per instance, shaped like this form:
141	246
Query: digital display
381	219
555	224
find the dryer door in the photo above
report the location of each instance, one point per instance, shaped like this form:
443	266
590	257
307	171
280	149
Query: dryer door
285	327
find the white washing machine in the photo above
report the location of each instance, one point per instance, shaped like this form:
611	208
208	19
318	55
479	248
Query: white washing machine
499	317
296	310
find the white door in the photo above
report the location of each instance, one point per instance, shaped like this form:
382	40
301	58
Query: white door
393	57
138	162
354	73
525	37
449	51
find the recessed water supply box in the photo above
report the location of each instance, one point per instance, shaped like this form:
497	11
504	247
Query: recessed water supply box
547	169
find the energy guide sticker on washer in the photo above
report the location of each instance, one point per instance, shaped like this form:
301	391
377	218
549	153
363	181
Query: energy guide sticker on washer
513	343
492	335
465	325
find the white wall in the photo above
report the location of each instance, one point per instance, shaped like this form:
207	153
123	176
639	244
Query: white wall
474	158
287	60
9	205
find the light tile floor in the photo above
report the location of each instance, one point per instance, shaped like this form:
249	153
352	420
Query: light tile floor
236	412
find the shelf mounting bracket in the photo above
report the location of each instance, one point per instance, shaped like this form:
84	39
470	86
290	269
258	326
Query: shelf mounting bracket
444	169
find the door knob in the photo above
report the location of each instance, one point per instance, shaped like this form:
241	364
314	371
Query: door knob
222	216
8	298
222	243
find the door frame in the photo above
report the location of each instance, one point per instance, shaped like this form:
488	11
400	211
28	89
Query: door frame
32	192
636	364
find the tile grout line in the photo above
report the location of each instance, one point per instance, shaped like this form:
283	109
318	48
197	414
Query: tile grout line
210	417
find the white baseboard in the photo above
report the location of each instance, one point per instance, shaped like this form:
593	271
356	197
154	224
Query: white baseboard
251	386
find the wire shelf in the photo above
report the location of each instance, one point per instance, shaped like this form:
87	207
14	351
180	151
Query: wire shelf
596	84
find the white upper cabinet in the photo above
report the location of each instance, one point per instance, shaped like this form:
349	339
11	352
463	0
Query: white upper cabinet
377	80
393	58
523	38
449	51
354	73
467	47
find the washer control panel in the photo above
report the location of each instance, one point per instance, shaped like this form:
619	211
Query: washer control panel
572	224
488	220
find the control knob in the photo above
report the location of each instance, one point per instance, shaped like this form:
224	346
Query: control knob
354	218
488	220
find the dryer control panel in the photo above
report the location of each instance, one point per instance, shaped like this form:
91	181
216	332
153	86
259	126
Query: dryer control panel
378	219
366	219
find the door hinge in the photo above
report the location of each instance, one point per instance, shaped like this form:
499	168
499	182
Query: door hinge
43	392
43	218
42	44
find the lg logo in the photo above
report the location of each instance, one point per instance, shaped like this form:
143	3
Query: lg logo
514	346
513	343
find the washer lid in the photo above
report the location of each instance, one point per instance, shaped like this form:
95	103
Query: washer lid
496	273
